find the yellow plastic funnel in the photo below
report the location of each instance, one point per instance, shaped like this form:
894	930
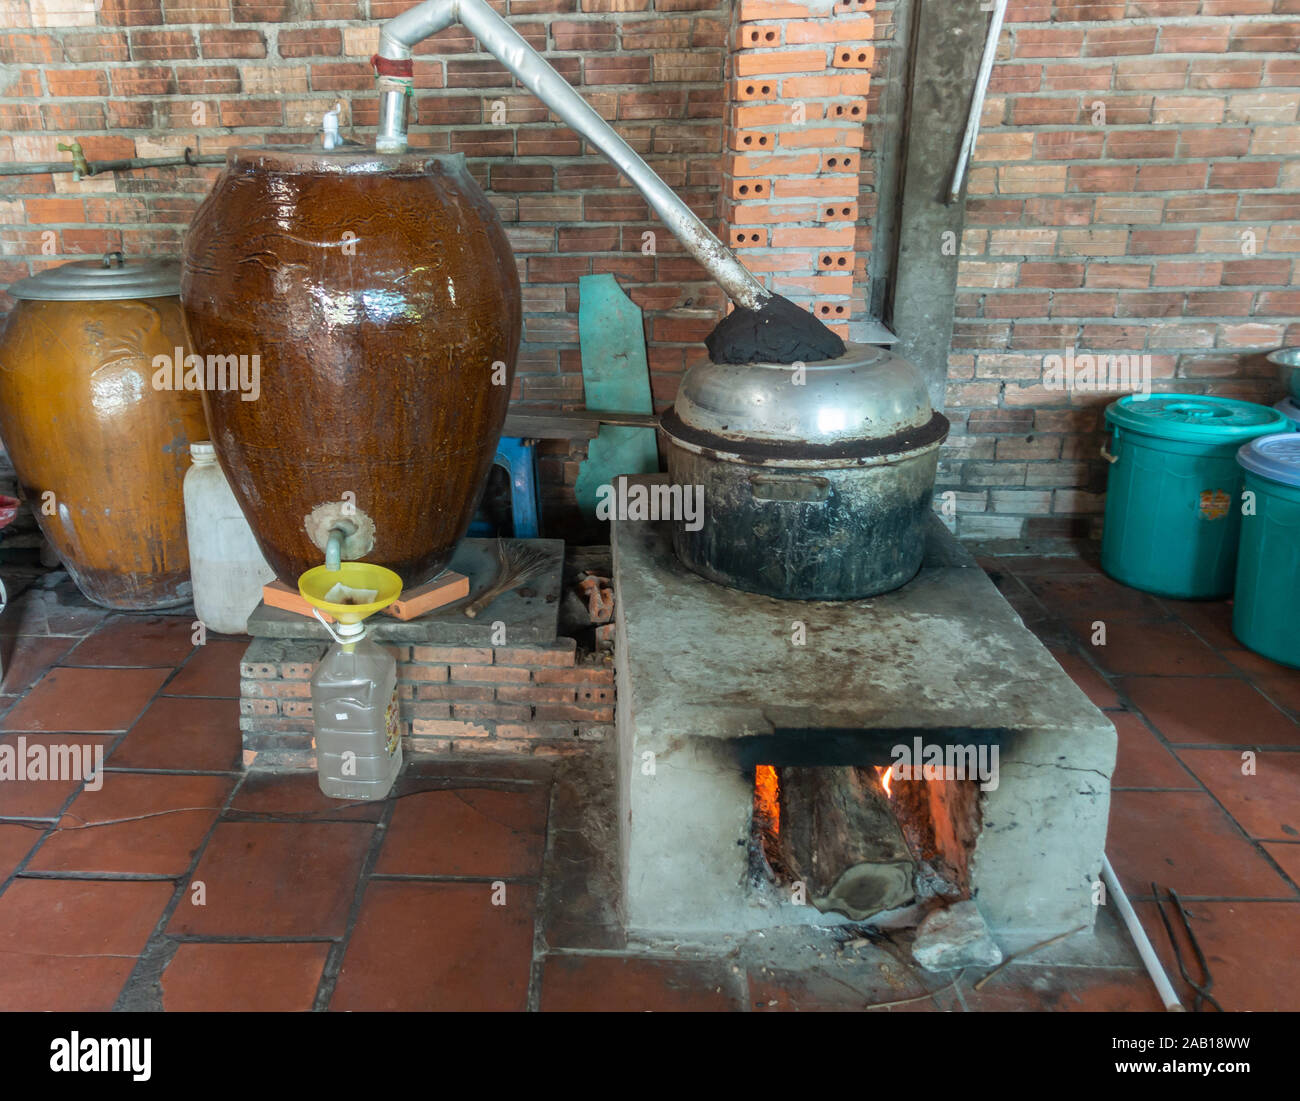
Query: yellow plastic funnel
352	592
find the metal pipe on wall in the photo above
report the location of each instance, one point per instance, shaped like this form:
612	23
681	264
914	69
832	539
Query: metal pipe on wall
507	46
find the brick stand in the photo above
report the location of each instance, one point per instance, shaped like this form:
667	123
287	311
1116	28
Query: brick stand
535	694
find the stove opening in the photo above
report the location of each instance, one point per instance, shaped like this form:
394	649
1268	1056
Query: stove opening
863	841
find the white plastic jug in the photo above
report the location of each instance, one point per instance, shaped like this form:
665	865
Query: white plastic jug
226	565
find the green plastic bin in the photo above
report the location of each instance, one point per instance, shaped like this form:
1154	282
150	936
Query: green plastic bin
1173	515
1266	610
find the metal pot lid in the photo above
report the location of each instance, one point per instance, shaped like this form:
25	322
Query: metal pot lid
112	277
1276	458
1195	418
866	394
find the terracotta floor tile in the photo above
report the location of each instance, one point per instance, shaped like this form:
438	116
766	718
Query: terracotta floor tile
287	879
614	984
1211	619
1210	711
36	798
160	845
1143	647
1144	761
1258	667
1062	564
467	831
15	843
72	944
296	795
1090	596
847	989
438	946
1266	804
243	978
1094	685
1250	948
51	984
27	657
1182	840
183	732
58	611
1283	691
148	640
1287	856
212	671
86	699
1065	989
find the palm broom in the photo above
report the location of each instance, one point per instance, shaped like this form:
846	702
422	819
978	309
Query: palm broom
517	563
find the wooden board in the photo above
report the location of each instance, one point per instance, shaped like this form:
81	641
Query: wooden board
444	589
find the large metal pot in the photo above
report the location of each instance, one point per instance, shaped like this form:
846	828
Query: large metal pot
1287	361
817	479
99	439
380	299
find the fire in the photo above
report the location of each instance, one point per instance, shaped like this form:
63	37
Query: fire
886	777
767	797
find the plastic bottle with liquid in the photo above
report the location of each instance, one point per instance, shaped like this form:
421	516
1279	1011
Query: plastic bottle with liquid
357	718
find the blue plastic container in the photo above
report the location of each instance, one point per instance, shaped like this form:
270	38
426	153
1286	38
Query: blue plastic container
1173	519
1266	610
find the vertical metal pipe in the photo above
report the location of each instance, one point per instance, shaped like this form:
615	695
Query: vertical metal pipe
977	102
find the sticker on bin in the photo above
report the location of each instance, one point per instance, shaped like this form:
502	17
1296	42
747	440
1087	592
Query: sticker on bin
1215	504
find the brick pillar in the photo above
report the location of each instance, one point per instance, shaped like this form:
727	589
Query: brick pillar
798	75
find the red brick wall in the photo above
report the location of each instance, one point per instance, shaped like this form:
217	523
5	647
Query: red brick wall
1126	149
1109	237
798	77
150	77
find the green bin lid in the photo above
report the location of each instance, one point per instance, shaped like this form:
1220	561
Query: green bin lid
1195	418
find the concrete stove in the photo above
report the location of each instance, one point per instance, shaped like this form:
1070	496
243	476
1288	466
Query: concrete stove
713	681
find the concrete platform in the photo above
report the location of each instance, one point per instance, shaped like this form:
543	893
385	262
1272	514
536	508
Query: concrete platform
531	614
710	682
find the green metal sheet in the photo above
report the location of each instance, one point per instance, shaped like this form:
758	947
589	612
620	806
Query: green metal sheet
616	376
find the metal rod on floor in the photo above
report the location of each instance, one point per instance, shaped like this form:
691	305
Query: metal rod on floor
1140	939
977	103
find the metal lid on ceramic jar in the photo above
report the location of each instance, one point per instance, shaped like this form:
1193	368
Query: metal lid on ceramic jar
1276	458
113	277
1195	418
346	160
863	403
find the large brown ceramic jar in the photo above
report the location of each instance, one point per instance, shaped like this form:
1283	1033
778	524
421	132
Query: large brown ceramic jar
380	297
100	450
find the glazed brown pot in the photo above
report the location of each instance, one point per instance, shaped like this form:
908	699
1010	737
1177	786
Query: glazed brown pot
380	297
100	453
